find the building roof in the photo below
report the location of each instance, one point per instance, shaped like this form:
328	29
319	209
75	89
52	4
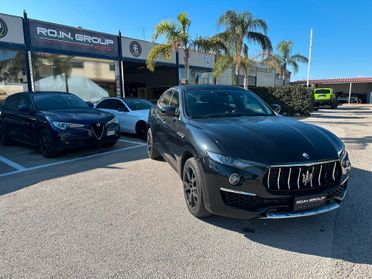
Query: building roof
338	80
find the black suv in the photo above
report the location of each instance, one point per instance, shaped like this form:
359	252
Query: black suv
238	157
55	121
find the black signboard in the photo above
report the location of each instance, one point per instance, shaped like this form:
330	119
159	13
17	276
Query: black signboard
47	35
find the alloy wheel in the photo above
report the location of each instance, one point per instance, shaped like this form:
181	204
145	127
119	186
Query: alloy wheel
190	187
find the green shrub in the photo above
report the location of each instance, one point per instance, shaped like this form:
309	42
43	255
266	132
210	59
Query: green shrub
294	99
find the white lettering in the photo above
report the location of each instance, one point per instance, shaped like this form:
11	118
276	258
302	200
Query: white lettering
41	30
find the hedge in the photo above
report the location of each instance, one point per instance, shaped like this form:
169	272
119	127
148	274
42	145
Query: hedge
294	99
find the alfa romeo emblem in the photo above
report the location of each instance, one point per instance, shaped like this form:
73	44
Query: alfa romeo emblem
3	28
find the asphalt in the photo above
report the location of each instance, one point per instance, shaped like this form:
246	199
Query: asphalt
121	215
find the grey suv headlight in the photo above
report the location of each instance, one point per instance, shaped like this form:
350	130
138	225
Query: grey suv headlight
65	125
345	162
232	162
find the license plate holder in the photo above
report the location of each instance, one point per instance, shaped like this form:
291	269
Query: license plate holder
309	202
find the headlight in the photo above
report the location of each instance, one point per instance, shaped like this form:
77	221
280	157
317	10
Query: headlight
65	125
229	161
345	162
113	121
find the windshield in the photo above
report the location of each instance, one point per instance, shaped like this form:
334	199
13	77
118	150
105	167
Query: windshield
224	103
138	104
57	101
322	91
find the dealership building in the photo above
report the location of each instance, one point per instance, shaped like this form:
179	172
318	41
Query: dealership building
44	56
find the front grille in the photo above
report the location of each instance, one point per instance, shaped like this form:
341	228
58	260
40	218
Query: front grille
98	130
251	202
302	178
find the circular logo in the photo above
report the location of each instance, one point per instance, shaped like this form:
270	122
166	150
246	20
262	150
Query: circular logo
135	48
305	155
3	28
208	60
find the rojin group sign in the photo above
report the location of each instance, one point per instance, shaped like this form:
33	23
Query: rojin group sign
60	37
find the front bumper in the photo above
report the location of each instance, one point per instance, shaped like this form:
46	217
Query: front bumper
251	199
81	137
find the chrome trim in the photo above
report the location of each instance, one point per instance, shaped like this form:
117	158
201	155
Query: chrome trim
333	172
320	173
312	177
311	212
342	196
268	179
237	192
298	178
346	179
304	164
289	178
278	180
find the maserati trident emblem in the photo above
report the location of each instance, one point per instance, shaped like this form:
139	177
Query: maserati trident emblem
307	177
305	155
98	125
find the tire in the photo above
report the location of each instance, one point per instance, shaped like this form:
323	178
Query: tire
193	189
141	130
47	143
151	150
109	143
4	138
334	105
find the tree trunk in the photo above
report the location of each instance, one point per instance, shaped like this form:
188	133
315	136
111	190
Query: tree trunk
66	82
237	70
245	84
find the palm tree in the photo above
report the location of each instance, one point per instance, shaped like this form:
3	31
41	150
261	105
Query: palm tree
177	37
284	58
241	28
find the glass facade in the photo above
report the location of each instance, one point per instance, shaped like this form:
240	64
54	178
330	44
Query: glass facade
197	76
12	72
89	78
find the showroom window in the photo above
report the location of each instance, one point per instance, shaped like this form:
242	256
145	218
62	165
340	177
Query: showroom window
12	72
197	76
91	82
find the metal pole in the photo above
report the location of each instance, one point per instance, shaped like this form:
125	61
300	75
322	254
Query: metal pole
177	68
28	60
350	87
309	63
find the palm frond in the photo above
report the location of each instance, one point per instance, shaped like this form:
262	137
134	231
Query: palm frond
259	23
261	39
158	51
165	28
299	58
294	66
222	63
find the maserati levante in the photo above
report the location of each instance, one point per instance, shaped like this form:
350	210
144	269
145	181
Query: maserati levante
237	157
55	121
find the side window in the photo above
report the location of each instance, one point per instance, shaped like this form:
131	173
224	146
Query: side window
12	102
118	105
105	104
175	101
24	100
165	98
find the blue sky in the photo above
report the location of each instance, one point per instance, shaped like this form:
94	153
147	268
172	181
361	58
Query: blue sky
342	29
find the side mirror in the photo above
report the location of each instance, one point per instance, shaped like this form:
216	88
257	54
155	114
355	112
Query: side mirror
169	111
25	108
90	104
277	108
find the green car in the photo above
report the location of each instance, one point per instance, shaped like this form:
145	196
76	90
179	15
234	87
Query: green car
325	96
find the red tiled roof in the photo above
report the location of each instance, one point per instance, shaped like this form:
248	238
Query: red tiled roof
338	80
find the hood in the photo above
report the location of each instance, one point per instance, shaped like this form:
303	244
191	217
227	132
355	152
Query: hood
268	140
141	113
80	116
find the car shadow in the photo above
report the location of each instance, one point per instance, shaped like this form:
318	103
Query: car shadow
105	158
344	234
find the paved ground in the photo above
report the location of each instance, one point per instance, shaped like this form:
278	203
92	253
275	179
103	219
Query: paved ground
122	215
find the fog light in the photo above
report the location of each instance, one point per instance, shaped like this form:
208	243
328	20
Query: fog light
234	179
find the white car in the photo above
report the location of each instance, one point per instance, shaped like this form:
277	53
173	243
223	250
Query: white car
132	113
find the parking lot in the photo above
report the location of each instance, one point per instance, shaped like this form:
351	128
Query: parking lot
114	213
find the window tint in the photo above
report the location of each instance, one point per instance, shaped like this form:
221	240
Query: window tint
165	98
55	101
224	103
112	104
24	100
12	102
